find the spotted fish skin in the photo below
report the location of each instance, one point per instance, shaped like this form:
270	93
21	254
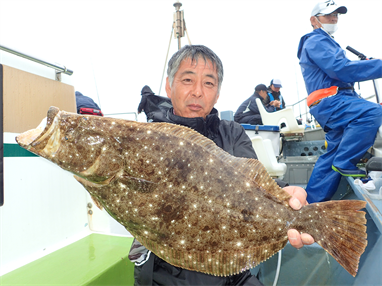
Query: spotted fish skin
187	200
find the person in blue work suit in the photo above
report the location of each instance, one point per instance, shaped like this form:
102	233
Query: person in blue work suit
351	122
248	112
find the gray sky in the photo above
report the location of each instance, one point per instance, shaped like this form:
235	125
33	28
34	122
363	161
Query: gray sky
117	47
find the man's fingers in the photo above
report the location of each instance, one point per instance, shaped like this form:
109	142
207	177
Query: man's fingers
298	196
295	203
297	200
307	239
295	238
298	240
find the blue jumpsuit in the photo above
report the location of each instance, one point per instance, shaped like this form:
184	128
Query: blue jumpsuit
351	122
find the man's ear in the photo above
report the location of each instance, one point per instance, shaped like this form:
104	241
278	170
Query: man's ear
168	88
314	22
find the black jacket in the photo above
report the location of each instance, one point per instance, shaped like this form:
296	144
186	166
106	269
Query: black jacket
249	113
151	103
228	135
84	101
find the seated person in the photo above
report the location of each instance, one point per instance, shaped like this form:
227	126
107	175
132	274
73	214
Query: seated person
86	105
276	99
274	95
248	112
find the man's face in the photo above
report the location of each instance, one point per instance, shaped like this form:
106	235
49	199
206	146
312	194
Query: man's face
263	94
275	89
316	21
194	90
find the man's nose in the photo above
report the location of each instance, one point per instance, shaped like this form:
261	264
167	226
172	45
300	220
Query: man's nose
198	89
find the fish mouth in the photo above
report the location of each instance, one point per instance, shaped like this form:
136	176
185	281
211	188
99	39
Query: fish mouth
35	140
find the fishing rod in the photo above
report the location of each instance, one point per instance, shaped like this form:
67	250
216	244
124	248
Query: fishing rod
362	57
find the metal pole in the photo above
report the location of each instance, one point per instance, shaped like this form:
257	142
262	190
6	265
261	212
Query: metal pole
376	89
178	23
123	113
62	69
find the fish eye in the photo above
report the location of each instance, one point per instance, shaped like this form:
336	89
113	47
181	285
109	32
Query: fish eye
69	136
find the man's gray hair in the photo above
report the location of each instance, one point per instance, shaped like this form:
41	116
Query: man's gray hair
194	52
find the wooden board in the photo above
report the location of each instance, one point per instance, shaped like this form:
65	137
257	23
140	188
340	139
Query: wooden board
27	98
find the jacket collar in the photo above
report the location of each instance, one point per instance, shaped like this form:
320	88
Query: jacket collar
257	95
208	127
307	36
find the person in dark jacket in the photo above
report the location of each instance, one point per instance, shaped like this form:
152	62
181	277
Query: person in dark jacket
151	103
248	112
86	105
274	95
193	84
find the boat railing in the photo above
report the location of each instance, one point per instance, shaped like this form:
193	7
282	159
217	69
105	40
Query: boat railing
58	68
301	110
123	115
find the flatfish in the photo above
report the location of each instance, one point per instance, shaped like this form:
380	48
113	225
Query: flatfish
185	199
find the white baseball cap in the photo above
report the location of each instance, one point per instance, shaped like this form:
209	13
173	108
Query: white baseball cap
276	82
328	7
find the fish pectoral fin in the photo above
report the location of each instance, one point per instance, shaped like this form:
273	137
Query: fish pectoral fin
88	186
85	182
96	202
138	184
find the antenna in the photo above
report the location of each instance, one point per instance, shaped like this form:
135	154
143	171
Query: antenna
179	25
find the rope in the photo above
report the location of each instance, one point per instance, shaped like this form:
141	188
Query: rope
165	62
168	49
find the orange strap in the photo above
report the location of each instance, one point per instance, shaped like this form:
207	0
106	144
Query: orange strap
316	96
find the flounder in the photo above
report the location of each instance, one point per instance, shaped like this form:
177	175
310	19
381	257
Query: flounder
185	199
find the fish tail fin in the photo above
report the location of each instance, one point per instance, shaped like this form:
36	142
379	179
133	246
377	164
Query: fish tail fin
339	227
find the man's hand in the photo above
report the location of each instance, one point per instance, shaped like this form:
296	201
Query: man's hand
275	103
297	200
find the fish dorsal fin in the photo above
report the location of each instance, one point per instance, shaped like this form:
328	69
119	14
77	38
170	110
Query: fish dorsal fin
185	133
251	167
257	172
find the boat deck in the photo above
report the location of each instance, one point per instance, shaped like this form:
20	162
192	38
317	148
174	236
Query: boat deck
96	259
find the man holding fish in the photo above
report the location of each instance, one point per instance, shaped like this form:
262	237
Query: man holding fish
188	189
195	75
